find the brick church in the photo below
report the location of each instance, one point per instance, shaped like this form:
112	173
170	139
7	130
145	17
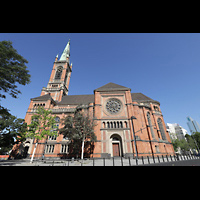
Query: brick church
127	123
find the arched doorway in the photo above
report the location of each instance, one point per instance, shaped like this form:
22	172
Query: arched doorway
26	148
116	145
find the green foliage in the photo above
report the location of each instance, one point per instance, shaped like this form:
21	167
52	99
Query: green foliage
78	127
175	144
190	141
183	144
43	124
12	131
196	136
188	144
12	70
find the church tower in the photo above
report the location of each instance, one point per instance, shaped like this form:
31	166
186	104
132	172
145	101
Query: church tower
58	84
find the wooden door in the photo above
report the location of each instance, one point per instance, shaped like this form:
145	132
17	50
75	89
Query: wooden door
116	149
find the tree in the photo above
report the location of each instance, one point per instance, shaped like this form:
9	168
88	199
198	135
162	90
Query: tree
12	131
78	129
12	70
196	137
190	141
43	124
175	144
184	145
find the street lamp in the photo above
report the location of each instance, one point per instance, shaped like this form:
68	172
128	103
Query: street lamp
134	139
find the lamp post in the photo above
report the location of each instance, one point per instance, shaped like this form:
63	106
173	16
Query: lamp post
134	139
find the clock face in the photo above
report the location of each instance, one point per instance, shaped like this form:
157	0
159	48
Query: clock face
113	105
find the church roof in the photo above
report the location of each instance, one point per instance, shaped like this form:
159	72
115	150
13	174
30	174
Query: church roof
42	98
76	99
86	99
142	98
111	87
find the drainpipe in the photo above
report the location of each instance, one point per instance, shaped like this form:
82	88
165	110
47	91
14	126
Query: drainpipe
136	154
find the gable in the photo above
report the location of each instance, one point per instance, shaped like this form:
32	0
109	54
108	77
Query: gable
111	87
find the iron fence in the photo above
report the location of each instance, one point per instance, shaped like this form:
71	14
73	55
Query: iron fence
115	161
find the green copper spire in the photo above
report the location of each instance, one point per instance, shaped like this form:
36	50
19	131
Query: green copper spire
66	52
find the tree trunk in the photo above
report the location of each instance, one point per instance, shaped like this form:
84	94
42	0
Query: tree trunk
82	149
34	152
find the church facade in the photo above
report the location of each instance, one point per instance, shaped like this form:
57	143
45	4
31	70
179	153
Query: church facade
127	124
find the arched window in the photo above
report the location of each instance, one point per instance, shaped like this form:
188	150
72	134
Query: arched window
58	73
111	125
125	124
162	131
150	124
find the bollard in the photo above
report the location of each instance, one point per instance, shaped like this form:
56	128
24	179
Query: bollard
163	158
148	159
129	159
104	162
136	161
153	158
158	159
142	160
174	158
167	158
113	162
122	160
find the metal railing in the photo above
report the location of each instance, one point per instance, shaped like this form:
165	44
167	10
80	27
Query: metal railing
115	161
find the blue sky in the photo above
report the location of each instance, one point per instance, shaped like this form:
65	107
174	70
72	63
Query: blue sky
163	66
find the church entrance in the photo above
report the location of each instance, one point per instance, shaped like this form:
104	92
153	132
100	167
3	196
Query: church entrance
115	149
116	145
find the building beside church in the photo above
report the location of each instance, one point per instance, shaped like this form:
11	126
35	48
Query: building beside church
176	131
193	125
126	122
